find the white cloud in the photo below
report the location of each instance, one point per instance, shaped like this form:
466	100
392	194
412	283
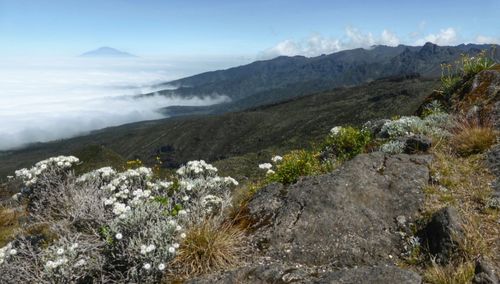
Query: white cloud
486	39
389	38
446	36
317	44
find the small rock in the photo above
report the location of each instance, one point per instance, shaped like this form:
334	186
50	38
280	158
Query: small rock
417	144
484	273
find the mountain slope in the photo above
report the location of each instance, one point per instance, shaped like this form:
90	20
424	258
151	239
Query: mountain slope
283	74
281	126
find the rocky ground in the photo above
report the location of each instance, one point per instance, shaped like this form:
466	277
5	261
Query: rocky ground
354	225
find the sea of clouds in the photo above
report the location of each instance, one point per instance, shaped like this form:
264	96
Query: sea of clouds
49	99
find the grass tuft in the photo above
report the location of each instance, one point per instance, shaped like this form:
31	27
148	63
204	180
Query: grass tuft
209	247
472	137
450	274
9	224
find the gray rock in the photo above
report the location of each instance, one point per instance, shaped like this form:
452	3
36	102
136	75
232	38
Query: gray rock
443	234
493	161
276	273
417	144
373	275
484	273
344	218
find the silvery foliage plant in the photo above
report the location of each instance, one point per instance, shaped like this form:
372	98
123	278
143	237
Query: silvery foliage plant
111	226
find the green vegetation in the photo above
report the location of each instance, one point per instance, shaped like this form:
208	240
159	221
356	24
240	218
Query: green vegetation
452	75
346	142
296	164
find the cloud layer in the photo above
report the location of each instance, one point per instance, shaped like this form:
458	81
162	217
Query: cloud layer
47	100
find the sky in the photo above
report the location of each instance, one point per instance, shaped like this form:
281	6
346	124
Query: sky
245	29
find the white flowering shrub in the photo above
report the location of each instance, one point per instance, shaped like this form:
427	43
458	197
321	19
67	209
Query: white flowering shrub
434	124
31	176
116	226
393	147
404	126
76	259
144	242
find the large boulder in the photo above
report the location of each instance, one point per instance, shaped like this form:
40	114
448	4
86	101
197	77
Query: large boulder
343	219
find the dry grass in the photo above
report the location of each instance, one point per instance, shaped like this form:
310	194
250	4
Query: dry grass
207	248
9	224
450	274
465	183
472	136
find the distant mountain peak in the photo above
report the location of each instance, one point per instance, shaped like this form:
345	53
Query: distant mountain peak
106	51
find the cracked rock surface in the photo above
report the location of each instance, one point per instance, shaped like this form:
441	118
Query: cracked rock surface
345	218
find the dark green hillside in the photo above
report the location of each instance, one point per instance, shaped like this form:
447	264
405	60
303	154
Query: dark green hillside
270	81
280	126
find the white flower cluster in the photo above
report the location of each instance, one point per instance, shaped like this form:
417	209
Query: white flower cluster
102	174
211	202
127	189
277	159
268	167
197	178
404	126
60	256
335	131
30	176
196	168
6	252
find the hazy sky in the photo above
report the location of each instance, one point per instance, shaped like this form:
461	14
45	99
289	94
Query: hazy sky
237	28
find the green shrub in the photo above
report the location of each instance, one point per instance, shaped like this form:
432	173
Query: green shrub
473	65
294	165
450	77
346	142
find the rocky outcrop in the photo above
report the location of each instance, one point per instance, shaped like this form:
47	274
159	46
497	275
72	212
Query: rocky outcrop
345	218
443	234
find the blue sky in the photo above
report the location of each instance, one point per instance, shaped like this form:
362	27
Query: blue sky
237	28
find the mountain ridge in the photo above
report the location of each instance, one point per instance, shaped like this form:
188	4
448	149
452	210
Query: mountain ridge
280	78
106	51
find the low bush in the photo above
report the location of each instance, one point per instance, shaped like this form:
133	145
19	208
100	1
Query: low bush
293	165
346	142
